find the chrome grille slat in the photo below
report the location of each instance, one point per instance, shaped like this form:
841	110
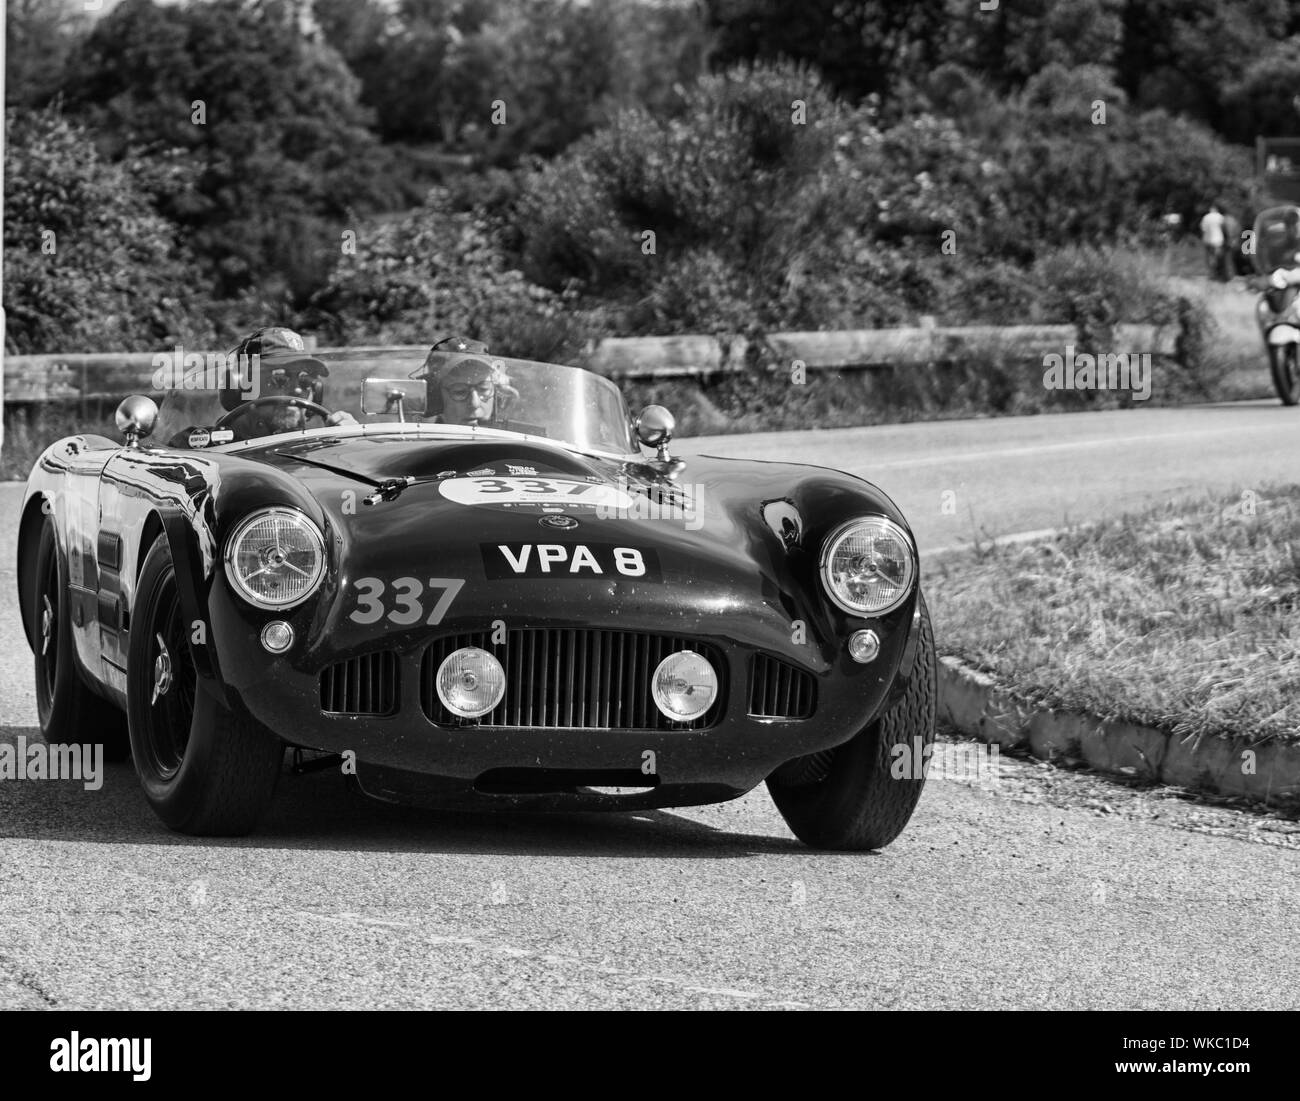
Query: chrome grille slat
778	690
364	685
570	678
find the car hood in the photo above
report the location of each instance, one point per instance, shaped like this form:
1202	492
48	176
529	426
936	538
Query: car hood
538	533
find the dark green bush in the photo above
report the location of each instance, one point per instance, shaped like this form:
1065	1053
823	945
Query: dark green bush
89	265
437	269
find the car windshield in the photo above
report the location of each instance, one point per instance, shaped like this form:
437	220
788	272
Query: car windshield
561	403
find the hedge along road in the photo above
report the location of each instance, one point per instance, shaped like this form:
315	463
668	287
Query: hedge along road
985	901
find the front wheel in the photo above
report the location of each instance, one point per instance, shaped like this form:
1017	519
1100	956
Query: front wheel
856	796
206	770
68	711
1286	376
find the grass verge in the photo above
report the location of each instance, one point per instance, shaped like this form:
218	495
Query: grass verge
1185	617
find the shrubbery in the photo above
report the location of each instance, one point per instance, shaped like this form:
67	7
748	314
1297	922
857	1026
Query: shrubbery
89	265
760	221
438	270
772	203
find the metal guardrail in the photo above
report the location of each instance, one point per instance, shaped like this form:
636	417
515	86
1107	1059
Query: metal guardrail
98	376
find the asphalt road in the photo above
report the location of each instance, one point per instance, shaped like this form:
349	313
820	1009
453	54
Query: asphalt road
1019	474
991	899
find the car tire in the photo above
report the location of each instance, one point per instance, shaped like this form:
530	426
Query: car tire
847	798
1286	374
206	769
68	711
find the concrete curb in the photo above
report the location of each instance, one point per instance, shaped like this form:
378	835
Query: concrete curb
980	708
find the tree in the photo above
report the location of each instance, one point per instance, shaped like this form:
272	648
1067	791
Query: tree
861	48
1019	38
1180	55
1263	99
493	77
89	265
269	117
39	35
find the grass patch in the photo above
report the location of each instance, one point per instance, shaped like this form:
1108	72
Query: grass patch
1185	617
29	430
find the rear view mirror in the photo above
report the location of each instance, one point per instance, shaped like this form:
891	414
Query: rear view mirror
402	396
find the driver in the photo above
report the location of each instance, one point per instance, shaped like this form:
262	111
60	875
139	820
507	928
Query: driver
464	386
286	370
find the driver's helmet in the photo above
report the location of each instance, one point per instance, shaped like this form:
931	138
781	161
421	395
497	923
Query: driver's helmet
463	385
283	368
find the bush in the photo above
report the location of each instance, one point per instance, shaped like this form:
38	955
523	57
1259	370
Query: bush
89	265
281	149
436	269
719	178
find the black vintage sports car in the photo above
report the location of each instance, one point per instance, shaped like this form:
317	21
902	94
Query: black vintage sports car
527	612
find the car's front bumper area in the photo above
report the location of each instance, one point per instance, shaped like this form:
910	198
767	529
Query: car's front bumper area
407	756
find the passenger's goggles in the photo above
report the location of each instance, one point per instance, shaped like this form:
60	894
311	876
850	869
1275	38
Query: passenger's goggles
460	391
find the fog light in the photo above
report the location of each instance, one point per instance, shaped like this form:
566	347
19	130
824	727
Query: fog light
684	686
864	646
277	636
470	682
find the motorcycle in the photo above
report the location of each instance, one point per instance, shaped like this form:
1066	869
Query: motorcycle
1277	259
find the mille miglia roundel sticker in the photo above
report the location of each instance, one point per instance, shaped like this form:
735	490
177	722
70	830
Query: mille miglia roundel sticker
540	493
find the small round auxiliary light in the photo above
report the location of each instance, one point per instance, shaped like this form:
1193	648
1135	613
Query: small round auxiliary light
277	636
864	646
684	686
470	682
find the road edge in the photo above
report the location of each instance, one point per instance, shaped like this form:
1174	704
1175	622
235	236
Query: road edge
979	707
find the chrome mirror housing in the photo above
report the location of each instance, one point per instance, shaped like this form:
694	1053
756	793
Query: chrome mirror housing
654	428
136	417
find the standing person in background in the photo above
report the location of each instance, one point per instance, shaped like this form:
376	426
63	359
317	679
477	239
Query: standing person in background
1231	247
1212	238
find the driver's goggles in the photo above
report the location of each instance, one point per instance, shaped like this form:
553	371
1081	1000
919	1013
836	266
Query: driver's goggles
460	391
280	379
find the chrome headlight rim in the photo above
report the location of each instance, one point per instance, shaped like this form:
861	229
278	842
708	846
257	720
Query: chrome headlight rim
495	669
232	544
831	543
658	695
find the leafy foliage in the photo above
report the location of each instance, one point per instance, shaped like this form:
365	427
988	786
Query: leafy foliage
774	205
39	36
88	263
433	270
268	119
501	79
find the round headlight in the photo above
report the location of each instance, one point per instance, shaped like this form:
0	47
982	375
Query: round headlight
275	558
684	686
470	682
868	566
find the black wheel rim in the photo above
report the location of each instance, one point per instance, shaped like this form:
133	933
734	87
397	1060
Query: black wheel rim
170	683
47	613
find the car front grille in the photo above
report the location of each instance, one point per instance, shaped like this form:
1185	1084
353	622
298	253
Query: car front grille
365	685
780	691
570	678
